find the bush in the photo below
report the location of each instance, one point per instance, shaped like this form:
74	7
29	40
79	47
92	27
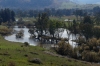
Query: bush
89	56
11	64
36	60
64	48
4	30
90	51
26	43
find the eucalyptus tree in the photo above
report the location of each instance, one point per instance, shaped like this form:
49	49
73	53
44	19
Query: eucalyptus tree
42	23
96	32
97	18
52	27
87	27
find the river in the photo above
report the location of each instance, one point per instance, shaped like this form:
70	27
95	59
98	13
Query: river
35	43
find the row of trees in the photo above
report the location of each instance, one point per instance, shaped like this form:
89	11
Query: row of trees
46	29
50	12
58	12
46	26
6	15
88	47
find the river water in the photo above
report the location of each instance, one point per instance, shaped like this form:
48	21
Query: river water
34	43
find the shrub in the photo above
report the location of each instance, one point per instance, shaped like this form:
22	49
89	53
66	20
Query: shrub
64	48
36	60
4	30
26	43
89	56
11	64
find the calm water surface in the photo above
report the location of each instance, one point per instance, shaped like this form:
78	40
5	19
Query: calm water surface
34	43
24	39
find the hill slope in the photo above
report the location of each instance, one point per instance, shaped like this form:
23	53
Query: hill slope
40	4
25	3
16	54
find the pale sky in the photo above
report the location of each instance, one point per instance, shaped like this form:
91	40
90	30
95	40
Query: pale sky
87	1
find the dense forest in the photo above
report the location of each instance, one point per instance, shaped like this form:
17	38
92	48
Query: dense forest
7	15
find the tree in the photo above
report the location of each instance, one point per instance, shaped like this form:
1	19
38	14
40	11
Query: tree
86	27
6	15
97	18
52	27
96	32
87	19
12	15
86	30
42	24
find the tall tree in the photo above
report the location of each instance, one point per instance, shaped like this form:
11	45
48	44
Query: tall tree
42	23
86	27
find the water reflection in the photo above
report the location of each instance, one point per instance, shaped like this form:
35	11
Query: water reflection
34	42
71	36
24	39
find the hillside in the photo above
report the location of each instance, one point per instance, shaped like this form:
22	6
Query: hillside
17	54
40	4
25	3
70	5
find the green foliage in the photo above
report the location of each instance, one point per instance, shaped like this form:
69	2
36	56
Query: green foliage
96	32
64	48
36	60
59	24
89	56
4	30
52	27
20	34
97	18
7	15
42	22
13	54
86	30
81	40
26	43
87	19
90	50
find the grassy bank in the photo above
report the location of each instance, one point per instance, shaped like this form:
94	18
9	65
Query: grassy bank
16	54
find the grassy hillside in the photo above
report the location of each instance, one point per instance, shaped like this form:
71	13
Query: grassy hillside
16	54
70	5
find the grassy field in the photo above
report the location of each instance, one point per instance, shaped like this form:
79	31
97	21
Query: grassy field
16	54
72	17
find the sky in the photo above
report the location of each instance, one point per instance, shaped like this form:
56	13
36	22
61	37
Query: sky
87	1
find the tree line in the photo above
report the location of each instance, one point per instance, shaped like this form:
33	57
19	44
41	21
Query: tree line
57	12
7	15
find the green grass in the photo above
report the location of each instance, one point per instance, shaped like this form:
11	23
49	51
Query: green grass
13	52
72	17
27	19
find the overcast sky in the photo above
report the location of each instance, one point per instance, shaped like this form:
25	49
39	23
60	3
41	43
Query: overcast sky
87	1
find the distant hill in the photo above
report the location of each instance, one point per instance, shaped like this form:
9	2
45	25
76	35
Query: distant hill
70	5
25	3
40	4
